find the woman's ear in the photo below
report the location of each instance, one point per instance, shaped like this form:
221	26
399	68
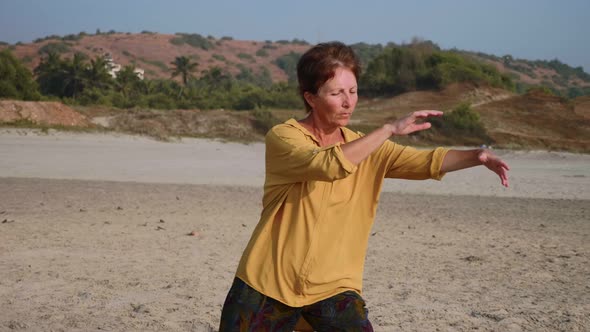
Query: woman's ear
309	98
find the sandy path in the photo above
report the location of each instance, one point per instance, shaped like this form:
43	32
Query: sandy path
192	161
80	255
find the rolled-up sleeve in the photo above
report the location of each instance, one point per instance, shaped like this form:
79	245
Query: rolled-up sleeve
293	157
405	162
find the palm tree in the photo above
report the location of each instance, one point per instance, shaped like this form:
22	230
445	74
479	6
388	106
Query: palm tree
127	80
74	72
97	74
184	67
49	74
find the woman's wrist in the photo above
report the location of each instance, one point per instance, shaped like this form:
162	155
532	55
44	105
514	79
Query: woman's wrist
389	129
481	155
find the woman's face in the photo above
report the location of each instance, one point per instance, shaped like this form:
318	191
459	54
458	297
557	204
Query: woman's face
336	99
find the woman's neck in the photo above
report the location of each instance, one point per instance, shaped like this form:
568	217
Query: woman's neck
326	135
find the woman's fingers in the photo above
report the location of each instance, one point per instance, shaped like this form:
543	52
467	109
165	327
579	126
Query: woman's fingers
426	113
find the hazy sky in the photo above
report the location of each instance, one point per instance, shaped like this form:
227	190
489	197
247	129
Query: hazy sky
530	29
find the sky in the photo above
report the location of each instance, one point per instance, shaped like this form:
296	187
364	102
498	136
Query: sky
527	29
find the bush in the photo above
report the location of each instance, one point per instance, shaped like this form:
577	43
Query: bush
54	47
262	53
264	120
296	41
540	89
16	81
219	57
401	69
160	101
462	121
246	56
288	63
194	40
463	118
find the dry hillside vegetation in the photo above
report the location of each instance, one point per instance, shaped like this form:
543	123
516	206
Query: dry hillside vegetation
534	120
531	121
154	52
582	106
234	126
537	120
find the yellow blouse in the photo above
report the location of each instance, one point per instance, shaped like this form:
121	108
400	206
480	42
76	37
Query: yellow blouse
318	209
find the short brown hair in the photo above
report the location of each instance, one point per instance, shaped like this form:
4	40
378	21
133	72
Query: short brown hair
318	65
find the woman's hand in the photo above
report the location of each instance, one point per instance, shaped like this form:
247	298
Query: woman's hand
409	123
495	164
459	159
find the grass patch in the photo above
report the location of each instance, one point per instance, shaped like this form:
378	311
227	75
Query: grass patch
46	128
155	63
246	56
170	125
219	57
54	47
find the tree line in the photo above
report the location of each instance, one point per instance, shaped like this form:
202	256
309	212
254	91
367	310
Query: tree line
388	71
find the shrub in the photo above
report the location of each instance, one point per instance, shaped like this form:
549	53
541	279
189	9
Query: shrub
219	57
262	53
540	89
463	118
296	41
246	56
194	40
288	63
54	47
462	121
16	81
264	120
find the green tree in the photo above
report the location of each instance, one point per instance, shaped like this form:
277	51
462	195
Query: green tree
74	75
183	67
16	81
127	81
396	70
97	74
288	63
50	75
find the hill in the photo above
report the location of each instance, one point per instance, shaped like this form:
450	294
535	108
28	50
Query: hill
154	53
509	119
535	120
553	74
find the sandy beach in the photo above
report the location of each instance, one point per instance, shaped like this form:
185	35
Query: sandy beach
124	233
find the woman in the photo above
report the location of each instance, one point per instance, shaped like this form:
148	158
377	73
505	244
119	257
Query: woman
306	256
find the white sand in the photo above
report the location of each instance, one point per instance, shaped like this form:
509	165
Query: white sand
23	153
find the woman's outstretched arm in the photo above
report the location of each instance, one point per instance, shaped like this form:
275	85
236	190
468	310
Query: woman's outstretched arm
357	150
460	159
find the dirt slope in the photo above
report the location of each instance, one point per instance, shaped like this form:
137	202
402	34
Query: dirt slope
582	106
536	120
533	120
41	113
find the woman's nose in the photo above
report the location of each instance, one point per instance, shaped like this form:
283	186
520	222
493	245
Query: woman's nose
346	100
